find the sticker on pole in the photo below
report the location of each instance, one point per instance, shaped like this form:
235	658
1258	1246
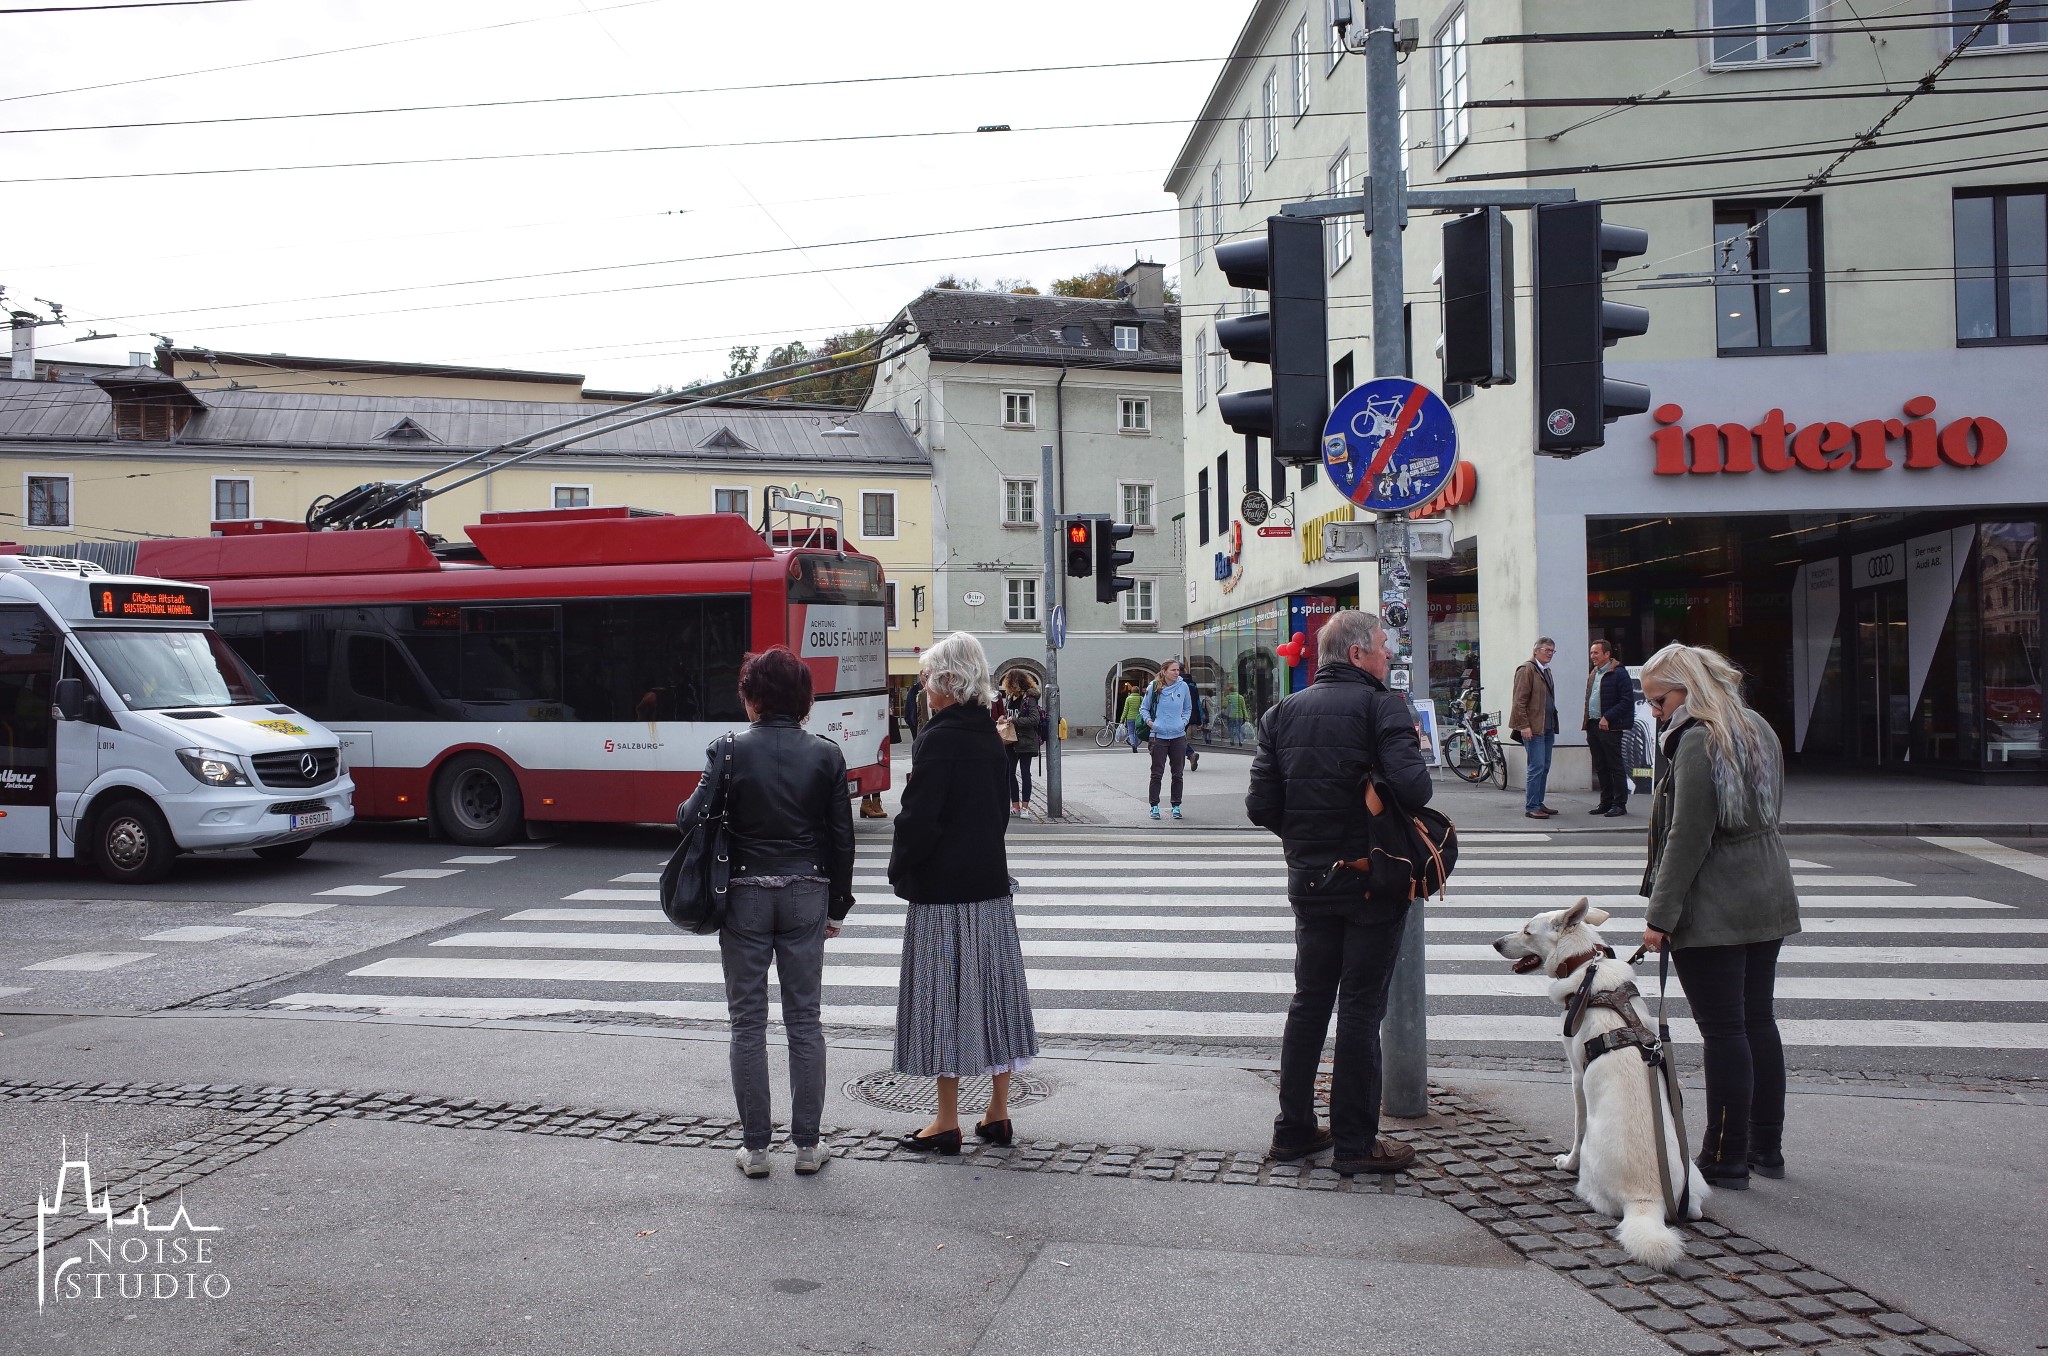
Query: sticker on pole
1390	444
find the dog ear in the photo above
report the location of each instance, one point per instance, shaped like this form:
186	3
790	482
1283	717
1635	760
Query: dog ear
1575	915
1596	916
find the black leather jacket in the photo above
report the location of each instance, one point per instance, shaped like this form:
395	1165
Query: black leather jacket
1316	750
789	807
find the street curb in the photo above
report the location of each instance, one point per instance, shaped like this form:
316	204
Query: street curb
1890	830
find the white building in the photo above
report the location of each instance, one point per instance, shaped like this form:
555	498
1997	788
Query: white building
995	378
1876	573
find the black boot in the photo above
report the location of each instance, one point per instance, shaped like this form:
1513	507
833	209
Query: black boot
1766	1151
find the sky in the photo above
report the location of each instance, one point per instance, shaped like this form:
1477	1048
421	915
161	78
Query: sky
635	267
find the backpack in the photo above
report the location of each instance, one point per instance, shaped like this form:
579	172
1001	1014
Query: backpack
1412	853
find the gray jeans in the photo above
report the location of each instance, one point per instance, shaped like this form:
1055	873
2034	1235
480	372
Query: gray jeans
785	924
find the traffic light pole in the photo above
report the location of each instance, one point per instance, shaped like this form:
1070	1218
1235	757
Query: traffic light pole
1049	513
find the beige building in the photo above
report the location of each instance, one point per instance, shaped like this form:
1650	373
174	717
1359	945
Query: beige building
138	453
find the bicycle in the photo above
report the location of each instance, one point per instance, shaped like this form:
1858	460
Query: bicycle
1106	737
1473	750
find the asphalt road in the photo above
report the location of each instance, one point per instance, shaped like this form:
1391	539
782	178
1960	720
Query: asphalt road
1918	956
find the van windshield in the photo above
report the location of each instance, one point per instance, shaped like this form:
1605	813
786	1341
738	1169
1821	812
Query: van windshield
161	670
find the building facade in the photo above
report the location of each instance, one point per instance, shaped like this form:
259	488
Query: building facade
137	453
994	378
1842	481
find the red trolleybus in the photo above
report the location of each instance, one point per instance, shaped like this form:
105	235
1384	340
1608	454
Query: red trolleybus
565	665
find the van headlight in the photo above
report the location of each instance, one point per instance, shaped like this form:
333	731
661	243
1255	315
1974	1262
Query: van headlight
214	768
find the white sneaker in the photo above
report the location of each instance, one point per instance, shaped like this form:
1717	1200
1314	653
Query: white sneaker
752	1162
813	1158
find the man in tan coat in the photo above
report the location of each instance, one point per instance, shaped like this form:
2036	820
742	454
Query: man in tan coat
1533	716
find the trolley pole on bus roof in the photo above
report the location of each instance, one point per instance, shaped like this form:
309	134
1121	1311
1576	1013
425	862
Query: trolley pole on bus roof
1049	516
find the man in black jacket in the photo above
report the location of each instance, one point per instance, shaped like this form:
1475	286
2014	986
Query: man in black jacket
1317	751
1610	715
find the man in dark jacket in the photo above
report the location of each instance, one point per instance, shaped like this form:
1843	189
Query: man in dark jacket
1610	714
1317	750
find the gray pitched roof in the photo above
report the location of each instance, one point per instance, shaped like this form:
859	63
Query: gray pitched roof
41	413
1004	327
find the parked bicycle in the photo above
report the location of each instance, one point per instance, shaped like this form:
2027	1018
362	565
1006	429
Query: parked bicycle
1473	750
1106	736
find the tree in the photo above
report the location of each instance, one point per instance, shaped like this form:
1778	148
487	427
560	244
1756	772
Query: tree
1016	286
1101	282
830	380
953	282
740	359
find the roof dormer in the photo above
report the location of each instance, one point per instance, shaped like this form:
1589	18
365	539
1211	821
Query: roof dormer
149	406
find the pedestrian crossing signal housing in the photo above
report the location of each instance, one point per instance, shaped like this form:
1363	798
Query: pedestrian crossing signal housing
1080	551
1108	559
1576	325
1291	336
1479	300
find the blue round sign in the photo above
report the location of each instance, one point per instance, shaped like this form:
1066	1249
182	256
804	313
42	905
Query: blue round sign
1390	444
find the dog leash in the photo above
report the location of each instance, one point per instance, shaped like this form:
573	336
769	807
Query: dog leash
1675	1207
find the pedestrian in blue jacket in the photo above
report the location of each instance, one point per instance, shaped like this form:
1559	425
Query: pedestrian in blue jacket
1169	706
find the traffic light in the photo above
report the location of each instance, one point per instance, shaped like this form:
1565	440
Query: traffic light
1479	299
1290	335
1575	325
1108	560
1080	550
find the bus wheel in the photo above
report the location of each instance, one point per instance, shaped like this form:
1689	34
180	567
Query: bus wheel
478	800
285	852
132	844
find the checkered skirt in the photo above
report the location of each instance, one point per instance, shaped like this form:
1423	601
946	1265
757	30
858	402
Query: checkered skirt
962	1006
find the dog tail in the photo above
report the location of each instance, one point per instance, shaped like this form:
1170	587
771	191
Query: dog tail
1645	1236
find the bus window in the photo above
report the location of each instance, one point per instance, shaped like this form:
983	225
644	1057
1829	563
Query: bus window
648	659
383	683
28	656
511	654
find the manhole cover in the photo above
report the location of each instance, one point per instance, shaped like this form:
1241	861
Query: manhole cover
894	1091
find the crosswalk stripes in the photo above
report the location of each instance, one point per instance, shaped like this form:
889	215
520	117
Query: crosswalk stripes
1126	936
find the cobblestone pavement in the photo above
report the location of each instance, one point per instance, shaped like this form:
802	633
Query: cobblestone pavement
1731	1293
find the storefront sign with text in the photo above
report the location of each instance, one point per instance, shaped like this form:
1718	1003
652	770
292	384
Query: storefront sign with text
1776	444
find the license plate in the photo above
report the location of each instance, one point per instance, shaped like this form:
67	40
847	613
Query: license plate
312	821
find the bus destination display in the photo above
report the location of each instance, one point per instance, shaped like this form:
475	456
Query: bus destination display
152	602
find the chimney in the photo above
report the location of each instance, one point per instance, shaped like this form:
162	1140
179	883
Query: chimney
24	366
1146	284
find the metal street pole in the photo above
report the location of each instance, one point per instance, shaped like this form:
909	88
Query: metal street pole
1049	510
1404	1034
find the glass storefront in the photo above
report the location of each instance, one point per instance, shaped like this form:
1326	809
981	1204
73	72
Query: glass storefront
1239	651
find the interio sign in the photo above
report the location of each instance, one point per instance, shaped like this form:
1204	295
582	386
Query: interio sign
1777	444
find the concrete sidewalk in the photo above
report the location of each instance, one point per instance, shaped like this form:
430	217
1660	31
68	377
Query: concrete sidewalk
422	1185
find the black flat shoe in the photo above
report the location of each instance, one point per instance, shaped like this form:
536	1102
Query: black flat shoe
1724	1179
1768	1165
946	1142
995	1132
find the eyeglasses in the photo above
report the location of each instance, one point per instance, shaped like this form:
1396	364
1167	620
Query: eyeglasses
1657	699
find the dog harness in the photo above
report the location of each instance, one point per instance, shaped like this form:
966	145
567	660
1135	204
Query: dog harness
1621	1002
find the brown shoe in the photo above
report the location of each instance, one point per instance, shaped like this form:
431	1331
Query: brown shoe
1292	1150
1388	1155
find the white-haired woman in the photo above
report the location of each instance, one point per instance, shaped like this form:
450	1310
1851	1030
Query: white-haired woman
962	1008
1721	898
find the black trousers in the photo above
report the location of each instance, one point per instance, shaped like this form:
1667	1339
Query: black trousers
1344	959
1608	765
1020	773
1729	990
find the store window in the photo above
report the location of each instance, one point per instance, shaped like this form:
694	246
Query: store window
1768	290
2002	266
2009	579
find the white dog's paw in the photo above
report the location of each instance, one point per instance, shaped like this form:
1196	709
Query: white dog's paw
1566	1162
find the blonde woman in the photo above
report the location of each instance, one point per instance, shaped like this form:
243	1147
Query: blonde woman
1721	898
962	1006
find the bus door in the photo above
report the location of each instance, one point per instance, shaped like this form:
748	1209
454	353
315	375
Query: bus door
28	729
83	745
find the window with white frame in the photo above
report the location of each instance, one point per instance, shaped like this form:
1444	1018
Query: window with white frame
1298	59
1020	502
1133	414
1216	202
1196	233
1222	355
878	514
917	415
1401	102
1020	409
1247	300
1140	603
1244	158
1201	369
1020	602
1269	115
889	605
726	499
1453	88
1135	502
1763	31
231	496
1338	229
2025	25
572	496
1126	337
49	501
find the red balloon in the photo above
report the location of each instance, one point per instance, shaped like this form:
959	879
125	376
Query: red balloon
1293	650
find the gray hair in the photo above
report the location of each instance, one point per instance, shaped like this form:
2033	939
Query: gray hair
957	667
1344	630
1542	641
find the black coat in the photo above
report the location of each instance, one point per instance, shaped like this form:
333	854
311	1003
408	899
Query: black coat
788	805
1617	701
1316	750
955	811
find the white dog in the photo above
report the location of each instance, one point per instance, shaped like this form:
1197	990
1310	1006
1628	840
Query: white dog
1614	1145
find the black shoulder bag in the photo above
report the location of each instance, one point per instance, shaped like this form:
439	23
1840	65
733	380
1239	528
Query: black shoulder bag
695	881
1411	853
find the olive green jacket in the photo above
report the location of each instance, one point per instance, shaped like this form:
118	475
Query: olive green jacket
1709	885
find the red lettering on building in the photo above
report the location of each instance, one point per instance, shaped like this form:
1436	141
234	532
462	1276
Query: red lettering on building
1776	444
1459	489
